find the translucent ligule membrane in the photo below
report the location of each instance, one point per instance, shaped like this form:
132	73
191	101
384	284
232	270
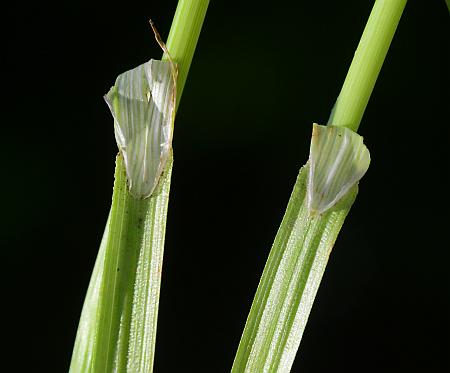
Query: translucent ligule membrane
338	159
143	106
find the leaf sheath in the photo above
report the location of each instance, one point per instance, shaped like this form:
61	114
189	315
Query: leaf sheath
289	283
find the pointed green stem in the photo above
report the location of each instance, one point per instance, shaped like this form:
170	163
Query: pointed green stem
367	63
183	37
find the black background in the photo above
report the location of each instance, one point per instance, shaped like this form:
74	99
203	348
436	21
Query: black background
261	75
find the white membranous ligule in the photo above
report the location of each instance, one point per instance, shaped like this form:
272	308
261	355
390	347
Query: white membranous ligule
143	106
338	159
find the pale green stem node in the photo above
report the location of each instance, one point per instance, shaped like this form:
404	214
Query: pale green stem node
142	103
338	159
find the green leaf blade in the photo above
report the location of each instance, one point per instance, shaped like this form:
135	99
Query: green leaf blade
84	342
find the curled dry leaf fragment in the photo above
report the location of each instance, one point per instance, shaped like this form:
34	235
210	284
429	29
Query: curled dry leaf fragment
338	159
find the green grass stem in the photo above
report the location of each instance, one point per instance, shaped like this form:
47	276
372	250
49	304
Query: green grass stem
300	252
367	62
117	327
